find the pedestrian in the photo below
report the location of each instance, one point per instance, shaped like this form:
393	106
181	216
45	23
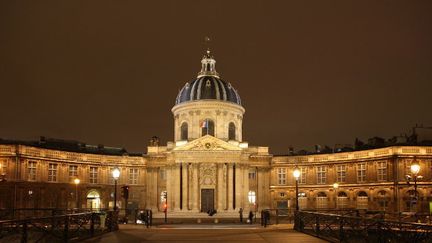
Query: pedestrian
250	217
241	215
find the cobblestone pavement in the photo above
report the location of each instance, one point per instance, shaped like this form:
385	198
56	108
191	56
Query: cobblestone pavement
206	233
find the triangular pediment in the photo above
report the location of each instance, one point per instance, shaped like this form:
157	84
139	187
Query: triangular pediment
207	143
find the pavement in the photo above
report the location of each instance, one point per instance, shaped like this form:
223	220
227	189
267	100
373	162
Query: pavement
206	233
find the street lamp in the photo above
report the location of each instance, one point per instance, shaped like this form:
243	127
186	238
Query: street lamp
296	174
335	187
116	175
76	181
415	169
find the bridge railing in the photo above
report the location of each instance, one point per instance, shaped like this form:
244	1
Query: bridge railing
339	228
58	228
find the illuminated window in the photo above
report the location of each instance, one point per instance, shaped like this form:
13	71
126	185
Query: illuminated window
133	176
321	174
31	166
303	173
73	171
382	170
361	172
281	174
340	173
94	175
252	197
52	172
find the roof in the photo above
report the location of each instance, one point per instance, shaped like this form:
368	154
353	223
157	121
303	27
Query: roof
70	146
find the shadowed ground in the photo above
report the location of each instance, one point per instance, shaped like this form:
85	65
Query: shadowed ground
206	233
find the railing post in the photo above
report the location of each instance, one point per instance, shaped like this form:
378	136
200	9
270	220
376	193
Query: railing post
24	233
92	224
341	230
277	216
66	229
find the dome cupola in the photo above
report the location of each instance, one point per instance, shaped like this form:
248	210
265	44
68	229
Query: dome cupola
208	85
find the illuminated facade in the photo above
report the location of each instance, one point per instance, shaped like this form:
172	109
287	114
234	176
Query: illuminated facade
209	166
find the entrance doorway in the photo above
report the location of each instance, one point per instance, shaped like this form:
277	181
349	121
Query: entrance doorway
93	200
207	200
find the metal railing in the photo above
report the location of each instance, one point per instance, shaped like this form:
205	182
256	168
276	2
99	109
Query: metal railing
338	228
58	228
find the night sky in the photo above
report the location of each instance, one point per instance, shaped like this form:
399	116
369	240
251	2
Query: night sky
308	72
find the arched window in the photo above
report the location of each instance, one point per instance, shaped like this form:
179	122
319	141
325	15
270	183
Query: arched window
342	200
321	200
207	127
231	131
184	131
362	200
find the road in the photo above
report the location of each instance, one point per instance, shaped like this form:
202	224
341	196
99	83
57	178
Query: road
206	233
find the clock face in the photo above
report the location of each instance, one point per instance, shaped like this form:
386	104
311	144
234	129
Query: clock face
208	145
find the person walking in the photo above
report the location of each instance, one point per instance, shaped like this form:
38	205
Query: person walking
250	217
241	215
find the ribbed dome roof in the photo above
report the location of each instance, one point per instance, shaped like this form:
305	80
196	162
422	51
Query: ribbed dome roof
208	85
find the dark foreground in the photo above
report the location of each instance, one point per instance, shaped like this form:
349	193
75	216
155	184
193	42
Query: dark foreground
205	233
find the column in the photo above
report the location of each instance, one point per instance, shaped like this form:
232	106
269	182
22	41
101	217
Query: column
245	185
230	185
239	187
220	187
176	185
185	186
195	186
169	187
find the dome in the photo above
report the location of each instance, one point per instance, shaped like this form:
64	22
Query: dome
208	85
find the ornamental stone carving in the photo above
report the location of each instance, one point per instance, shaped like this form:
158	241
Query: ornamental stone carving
207	174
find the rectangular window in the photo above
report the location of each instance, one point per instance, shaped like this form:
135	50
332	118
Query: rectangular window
321	174
281	175
73	171
382	170
303	173
133	176
252	175
52	172
31	166
93	175
340	173
361	172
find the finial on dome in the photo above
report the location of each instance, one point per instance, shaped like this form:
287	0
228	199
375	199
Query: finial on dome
208	62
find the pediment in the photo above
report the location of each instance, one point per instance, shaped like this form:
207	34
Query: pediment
207	143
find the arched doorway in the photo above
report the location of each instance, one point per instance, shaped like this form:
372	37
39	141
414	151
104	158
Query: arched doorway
93	200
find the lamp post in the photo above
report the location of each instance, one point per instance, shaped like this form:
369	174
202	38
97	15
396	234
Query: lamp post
415	169
76	181
335	187
296	174
116	175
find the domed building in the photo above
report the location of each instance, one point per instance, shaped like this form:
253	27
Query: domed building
209	166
